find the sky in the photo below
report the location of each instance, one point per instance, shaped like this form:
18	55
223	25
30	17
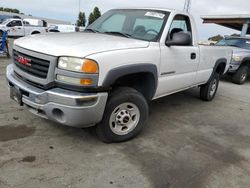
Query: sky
68	9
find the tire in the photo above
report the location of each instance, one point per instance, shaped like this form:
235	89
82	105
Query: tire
240	76
124	117
209	90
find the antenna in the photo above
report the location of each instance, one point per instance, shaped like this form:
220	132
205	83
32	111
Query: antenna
187	5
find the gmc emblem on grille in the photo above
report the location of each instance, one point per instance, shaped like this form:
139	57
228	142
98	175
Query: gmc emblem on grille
24	61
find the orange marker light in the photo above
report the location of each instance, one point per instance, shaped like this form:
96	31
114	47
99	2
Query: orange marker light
86	81
90	66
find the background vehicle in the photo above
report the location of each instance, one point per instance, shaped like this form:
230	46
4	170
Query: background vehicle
35	22
240	64
20	28
63	28
107	75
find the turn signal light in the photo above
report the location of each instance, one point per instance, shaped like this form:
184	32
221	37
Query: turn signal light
86	81
90	66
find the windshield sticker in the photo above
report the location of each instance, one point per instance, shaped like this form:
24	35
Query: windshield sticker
155	15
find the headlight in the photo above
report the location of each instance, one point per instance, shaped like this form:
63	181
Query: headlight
75	81
237	58
78	65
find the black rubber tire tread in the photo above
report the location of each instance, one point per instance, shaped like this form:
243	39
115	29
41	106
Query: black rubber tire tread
205	89
117	97
236	78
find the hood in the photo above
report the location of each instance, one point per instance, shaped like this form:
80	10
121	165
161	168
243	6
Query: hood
77	44
241	51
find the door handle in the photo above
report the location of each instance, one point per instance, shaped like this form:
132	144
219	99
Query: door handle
193	56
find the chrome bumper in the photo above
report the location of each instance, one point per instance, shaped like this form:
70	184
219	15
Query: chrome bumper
233	67
59	105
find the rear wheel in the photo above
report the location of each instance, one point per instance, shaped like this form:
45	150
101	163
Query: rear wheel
124	117
209	90
240	76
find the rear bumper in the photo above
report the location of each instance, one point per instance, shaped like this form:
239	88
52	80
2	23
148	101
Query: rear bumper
66	107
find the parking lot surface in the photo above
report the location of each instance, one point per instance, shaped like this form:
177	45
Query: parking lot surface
187	143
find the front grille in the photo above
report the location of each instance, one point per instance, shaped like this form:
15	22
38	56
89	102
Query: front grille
38	67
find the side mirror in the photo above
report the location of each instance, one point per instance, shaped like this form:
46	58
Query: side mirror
180	39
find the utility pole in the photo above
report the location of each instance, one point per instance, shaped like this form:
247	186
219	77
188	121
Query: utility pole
187	5
79	5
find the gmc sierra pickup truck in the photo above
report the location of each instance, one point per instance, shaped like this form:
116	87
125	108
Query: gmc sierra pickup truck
107	75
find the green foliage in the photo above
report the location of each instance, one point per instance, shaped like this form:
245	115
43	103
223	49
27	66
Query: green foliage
94	15
91	18
9	10
81	19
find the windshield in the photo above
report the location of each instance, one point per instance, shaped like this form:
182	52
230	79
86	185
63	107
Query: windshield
139	24
236	42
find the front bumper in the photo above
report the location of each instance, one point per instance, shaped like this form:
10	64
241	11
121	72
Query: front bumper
233	67
59	105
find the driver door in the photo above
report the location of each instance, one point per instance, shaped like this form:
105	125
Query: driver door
16	28
179	64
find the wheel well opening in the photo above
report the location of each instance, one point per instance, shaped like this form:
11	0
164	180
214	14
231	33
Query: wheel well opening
221	68
247	63
35	32
142	82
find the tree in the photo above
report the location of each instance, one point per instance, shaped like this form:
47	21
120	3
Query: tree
91	18
94	15
9	10
81	19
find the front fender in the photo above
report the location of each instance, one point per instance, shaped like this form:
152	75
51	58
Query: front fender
119	72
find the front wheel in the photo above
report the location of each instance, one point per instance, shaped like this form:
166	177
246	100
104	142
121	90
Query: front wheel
240	76
124	116
209	90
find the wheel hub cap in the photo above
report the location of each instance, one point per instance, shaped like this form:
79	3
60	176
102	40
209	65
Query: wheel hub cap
213	87
243	77
124	118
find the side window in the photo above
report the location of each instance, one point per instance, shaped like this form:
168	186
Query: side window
180	23
10	24
14	23
18	23
114	23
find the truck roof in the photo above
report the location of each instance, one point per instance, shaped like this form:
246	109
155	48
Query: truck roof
157	8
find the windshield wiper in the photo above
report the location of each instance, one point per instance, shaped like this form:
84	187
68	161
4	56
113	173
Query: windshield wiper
118	33
92	30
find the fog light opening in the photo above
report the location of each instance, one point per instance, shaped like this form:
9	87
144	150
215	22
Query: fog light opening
58	115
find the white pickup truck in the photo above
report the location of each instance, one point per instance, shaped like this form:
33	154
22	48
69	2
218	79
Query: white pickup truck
106	76
19	28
